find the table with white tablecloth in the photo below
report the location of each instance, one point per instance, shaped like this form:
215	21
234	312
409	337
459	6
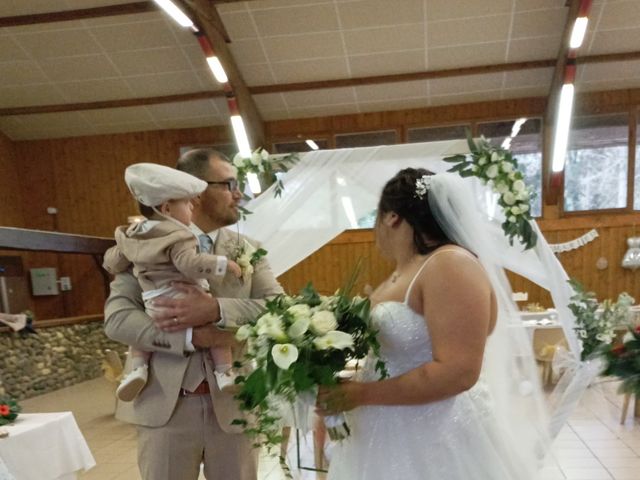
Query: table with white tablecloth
45	446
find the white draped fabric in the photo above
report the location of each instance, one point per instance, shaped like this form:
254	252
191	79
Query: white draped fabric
329	190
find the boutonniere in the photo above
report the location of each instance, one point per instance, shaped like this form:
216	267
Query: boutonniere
246	256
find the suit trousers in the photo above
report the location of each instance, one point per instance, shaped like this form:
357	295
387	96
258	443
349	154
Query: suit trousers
191	436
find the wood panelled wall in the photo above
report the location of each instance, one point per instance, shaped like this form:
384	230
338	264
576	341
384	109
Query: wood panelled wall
332	264
83	178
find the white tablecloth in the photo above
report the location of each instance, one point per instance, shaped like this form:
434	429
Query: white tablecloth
45	446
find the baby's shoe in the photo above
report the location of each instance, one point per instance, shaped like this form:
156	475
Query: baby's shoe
132	384
227	381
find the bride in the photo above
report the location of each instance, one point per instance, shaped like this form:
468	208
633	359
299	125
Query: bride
461	400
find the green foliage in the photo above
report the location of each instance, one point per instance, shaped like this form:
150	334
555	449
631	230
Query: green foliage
498	168
623	361
9	410
595	322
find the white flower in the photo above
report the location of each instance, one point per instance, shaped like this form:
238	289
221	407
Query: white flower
256	158
323	322
334	339
238	160
474	168
482	161
523	195
519	186
515	210
512	219
264	154
496	157
300	311
247	271
627	337
284	355
271	325
512	175
299	327
492	171
509	198
583	333
244	260
244	332
502	187
506	167
524	207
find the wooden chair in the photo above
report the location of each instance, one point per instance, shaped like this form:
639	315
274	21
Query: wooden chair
546	342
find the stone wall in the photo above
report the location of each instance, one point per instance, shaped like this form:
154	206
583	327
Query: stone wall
54	358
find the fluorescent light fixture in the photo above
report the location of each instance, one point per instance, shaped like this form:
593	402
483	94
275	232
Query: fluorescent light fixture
218	71
254	183
563	121
312	145
506	143
349	211
175	13
577	34
517	125
242	141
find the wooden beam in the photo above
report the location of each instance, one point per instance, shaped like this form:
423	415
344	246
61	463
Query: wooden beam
552	183
129	102
41	241
85	13
337	83
206	17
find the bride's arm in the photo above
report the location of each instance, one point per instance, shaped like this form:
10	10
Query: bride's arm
455	296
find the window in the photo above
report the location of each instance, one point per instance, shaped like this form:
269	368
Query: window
298	146
523	137
596	166
366	139
435	134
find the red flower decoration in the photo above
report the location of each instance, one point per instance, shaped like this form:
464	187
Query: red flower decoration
638	329
618	350
4	410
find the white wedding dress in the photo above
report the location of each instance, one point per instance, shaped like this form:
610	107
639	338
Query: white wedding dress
458	438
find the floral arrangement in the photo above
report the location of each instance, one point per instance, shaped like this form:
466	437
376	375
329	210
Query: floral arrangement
297	344
9	410
497	168
246	256
595	323
265	165
623	361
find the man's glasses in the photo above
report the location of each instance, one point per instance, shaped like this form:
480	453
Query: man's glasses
232	184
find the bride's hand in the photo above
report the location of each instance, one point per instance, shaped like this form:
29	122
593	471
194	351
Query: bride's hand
339	398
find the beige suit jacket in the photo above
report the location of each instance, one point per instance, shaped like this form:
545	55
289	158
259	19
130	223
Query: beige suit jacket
126	322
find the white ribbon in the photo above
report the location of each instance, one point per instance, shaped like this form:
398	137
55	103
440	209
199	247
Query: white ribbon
575	243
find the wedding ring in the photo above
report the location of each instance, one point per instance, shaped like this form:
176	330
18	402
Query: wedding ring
175	320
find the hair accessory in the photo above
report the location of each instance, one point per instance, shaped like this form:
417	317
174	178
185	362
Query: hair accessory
423	185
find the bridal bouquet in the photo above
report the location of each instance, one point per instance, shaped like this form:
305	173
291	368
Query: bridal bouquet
296	345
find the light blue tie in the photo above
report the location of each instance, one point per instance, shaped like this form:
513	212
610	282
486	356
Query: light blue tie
206	244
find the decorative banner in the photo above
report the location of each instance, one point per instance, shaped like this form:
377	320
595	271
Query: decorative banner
573	244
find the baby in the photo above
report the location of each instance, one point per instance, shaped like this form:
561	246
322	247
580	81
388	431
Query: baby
163	250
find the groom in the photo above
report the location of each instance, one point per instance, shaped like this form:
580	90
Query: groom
183	419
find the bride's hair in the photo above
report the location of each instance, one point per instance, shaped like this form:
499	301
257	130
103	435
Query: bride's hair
399	195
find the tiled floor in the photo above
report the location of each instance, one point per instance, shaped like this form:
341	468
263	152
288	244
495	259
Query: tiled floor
592	446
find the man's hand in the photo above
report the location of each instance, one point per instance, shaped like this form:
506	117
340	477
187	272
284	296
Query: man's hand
194	309
211	336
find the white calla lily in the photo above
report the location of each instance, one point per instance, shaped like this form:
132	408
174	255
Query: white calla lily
299	327
284	354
